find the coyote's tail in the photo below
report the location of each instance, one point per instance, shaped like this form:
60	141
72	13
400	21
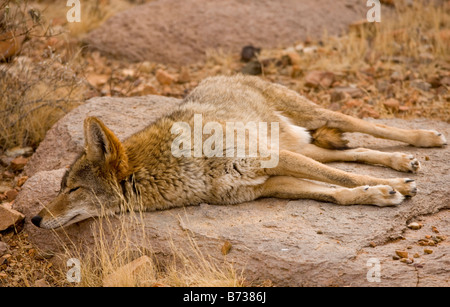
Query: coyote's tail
329	138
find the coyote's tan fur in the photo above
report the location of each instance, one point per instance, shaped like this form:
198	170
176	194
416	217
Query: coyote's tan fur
143	171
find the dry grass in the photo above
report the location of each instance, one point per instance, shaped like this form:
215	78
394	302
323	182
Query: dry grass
33	98
121	242
412	42
36	92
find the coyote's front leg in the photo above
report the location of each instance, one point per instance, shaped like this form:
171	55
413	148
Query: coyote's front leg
300	166
395	160
294	188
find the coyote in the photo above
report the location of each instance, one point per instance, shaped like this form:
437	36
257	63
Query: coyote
143	171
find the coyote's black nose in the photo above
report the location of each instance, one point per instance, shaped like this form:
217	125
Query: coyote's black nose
36	220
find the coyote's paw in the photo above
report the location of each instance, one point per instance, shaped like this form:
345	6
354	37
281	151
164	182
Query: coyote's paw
380	195
430	138
405	186
405	162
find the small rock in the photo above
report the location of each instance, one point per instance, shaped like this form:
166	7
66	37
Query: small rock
420	84
401	254
11	194
392	104
416	255
310	49
164	78
146	67
423	242
249	52
3	248
434	81
9	217
407	260
441	238
10	44
226	248
428	251
5	161
184	76
4	188
18	163
435	230
317	78
415	226
338	96
97	80
445	81
294	58
21	181
353	92
396	76
395	257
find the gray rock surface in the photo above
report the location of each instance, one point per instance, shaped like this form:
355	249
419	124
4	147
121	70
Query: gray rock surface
292	243
181	32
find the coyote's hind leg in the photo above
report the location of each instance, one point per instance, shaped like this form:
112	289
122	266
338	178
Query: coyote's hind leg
418	138
294	188
309	115
395	160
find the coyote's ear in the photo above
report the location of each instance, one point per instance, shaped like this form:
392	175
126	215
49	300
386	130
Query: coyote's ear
103	147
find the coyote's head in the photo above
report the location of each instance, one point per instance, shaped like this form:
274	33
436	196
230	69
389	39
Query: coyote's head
90	186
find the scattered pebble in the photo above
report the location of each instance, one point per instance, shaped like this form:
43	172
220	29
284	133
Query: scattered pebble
3	248
226	248
392	104
21	181
407	260
401	254
164	78
415	226
249	52
428	251
17	164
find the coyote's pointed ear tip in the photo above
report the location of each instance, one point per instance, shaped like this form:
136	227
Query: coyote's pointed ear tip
90	119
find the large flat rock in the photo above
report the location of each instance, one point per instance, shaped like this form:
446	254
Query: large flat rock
181	32
292	243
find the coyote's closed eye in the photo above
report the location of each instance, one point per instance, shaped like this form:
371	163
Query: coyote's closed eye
110	173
